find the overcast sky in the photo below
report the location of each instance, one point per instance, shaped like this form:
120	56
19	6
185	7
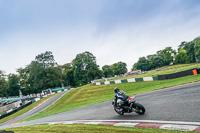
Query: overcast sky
112	30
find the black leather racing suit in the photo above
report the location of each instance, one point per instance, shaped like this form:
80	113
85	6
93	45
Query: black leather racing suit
121	95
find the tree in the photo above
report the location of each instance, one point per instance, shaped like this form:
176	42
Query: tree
167	54
69	78
181	57
40	74
37	77
43	78
64	69
67	74
108	71
197	47
93	72
47	59
53	77
143	64
24	80
189	47
85	68
13	85
182	45
3	85
119	68
44	72
158	60
152	63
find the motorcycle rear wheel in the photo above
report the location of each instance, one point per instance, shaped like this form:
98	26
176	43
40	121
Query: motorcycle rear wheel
139	108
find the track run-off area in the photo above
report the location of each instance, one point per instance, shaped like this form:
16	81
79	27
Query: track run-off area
175	105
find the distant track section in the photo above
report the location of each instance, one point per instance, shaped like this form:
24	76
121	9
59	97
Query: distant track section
37	109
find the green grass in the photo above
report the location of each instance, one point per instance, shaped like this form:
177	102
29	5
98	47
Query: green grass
24	110
163	70
86	129
89	95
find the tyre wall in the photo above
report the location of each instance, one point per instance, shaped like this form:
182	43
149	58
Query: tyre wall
194	71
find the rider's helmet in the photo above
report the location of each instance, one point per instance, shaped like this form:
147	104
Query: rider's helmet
116	89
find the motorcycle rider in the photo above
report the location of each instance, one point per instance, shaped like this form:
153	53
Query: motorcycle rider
119	94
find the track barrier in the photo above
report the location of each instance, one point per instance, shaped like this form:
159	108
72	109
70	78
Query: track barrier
194	71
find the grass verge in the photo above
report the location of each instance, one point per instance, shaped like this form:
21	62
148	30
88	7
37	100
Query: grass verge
163	70
89	95
86	129
24	110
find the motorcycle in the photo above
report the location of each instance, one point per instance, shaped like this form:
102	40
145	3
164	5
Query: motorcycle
131	106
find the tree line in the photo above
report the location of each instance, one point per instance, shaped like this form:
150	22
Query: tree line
187	52
44	72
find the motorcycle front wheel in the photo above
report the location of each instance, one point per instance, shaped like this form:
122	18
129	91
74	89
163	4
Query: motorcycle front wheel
119	111
139	108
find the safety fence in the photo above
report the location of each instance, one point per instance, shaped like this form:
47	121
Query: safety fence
127	80
194	71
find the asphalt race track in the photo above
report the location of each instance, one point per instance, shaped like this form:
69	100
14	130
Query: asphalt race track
180	103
